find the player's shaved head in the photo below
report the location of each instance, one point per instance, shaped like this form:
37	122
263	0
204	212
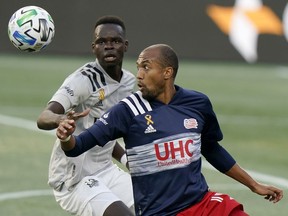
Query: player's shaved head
167	56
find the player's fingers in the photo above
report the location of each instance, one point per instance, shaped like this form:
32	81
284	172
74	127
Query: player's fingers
70	114
274	195
61	132
80	115
278	196
271	198
67	124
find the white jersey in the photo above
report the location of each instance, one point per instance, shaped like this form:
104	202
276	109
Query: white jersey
88	87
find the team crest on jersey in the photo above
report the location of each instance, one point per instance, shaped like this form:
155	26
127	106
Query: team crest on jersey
190	123
150	128
101	94
92	183
101	98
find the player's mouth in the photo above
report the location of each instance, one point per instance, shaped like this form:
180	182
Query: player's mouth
140	87
110	58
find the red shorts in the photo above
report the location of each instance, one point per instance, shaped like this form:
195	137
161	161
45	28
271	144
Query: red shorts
215	204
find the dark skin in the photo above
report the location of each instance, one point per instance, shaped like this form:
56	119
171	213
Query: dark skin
109	46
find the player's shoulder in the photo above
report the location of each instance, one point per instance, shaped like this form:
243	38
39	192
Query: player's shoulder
79	71
91	67
193	98
127	72
128	75
194	94
94	74
136	103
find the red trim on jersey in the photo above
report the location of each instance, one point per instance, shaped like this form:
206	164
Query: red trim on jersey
215	204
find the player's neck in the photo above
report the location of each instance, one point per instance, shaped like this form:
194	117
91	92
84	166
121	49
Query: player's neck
114	72
167	95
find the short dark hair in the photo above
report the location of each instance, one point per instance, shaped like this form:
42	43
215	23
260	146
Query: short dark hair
111	19
169	57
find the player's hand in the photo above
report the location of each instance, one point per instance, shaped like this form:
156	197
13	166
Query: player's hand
271	193
65	128
75	116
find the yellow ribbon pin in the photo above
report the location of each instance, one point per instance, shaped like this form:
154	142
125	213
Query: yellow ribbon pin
149	119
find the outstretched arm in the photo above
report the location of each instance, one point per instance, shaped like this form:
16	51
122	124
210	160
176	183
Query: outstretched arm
54	113
67	127
271	193
224	162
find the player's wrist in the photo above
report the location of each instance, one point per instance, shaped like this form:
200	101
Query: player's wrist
66	139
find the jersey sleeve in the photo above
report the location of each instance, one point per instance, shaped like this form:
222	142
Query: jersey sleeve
217	156
112	125
211	131
71	92
214	153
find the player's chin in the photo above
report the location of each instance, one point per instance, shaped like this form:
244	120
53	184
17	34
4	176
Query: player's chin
111	63
145	94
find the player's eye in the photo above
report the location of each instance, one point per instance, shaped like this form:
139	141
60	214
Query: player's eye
146	67
100	42
118	41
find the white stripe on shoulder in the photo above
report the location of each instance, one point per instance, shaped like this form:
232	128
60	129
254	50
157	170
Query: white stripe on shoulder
136	101
131	106
146	103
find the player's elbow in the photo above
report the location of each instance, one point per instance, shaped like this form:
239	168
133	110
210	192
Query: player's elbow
41	124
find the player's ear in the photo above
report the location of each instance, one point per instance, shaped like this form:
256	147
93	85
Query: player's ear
93	46
126	43
168	73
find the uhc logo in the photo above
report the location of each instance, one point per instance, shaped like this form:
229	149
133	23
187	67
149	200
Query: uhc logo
167	153
178	152
182	149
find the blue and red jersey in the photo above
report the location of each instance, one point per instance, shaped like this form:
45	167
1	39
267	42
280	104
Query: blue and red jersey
164	144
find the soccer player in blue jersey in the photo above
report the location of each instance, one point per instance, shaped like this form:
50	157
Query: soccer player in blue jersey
91	184
166	129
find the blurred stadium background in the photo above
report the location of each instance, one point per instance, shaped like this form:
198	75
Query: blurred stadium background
234	51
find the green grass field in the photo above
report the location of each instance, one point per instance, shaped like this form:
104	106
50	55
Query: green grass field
251	103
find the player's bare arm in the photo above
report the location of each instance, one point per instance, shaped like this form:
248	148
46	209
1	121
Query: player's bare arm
50	118
271	193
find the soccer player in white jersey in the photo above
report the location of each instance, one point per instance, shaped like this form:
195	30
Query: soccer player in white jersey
91	184
166	129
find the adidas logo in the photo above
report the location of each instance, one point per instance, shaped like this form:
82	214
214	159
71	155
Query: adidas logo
150	129
99	104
